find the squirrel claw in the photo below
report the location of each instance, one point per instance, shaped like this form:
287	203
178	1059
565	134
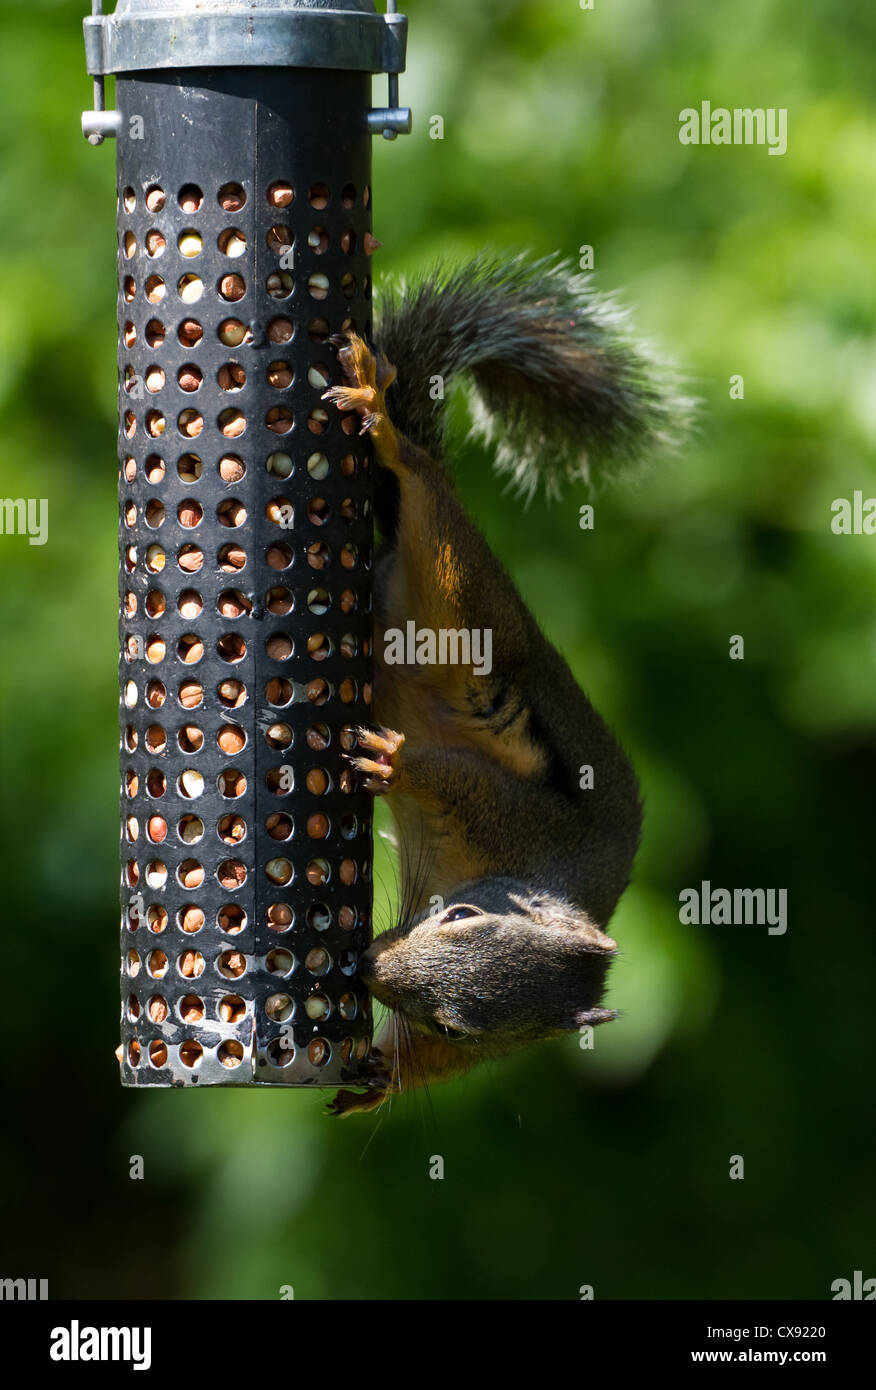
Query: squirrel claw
378	1082
381	771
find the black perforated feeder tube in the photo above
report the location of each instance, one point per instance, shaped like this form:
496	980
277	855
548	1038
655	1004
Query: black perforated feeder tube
244	213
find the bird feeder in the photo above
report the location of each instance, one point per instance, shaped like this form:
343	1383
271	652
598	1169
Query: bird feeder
243	136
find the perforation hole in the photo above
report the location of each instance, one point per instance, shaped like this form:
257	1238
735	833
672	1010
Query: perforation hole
129	245
190	198
231	512
280	330
232	288
231	647
279	1007
190	648
156	829
191	919
231	783
279	826
231	919
231	964
191	1054
156	243
190	738
189	604
280	464
279	647
190	287
231	603
189	513
232	377
278	736
318	377
280	917
230	1053
232	242
191	829
191	964
190	874
231	874
279	557
129	199
318	330
155	289
318	872
232	694
190	784
155	333
191	694
233	333
232	830
190	423
279	781
232	1009
279	1053
155	198
278	692
279	284
279	601
232	423
279	961
318	240
279	375
156	1008
280	194
156	694
190	378
232	197
231	468
129	289
279	419
189	468
318	285
191	1008
232	558
190	243
190	333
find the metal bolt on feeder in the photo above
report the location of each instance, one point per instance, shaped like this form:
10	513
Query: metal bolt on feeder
244	227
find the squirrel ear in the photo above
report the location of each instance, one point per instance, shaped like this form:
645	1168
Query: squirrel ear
553	912
594	1016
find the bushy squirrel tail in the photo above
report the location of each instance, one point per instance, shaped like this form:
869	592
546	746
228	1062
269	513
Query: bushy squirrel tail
561	389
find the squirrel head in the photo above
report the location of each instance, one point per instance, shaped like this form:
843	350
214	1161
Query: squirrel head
501	962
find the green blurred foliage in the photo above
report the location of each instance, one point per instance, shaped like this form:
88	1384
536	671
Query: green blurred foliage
563	1166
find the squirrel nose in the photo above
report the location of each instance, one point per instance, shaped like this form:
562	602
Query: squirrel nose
368	967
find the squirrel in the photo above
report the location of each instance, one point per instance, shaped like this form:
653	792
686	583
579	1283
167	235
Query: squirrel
481	770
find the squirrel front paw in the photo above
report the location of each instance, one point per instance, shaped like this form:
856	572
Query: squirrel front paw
379	1089
367	379
382	772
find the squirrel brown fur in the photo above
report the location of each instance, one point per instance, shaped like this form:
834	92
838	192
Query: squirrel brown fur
481	771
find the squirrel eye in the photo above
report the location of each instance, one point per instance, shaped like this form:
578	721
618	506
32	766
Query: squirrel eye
454	914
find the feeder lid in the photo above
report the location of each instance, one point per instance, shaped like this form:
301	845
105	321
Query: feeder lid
143	35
